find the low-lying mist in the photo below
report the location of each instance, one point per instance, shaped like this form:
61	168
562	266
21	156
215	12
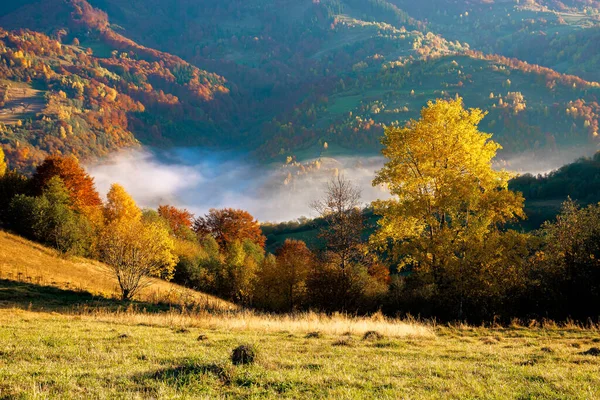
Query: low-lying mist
542	162
198	179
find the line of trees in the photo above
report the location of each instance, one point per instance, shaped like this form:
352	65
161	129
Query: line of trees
443	247
221	252
60	207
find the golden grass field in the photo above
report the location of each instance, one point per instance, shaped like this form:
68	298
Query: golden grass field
60	341
103	356
26	261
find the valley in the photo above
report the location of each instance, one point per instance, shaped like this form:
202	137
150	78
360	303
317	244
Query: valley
299	199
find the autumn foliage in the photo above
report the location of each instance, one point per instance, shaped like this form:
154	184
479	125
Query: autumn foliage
3	165
178	219
110	92
79	183
294	264
137	251
91	106
228	226
447	207
120	206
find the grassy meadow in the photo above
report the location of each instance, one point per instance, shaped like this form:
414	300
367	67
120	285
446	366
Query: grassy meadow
134	355
79	341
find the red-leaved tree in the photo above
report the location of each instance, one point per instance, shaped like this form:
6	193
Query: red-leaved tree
229	225
79	183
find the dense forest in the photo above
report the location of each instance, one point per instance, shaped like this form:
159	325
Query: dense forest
280	78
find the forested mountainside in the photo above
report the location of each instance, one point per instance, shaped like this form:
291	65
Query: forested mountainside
57	96
281	77
555	34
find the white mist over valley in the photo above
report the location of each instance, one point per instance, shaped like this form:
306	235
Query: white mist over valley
200	179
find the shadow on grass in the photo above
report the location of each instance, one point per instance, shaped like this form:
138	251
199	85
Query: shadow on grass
188	373
34	297
192	373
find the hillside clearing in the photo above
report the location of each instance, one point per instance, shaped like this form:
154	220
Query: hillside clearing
23	102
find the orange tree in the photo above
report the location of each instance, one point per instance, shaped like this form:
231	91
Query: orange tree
79	184
228	226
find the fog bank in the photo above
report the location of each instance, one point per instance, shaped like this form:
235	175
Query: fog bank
198	179
542	162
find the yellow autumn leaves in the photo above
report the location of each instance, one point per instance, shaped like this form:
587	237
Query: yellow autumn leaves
447	196
134	248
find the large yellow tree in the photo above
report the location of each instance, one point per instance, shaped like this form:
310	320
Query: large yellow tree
446	197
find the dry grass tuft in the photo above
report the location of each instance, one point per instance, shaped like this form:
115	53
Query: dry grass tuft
594	351
244	354
305	323
344	342
489	340
372	335
528	363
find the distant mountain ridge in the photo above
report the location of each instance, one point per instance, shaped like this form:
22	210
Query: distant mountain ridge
279	78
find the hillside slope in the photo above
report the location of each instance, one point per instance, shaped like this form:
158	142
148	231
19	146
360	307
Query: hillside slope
96	90
291	75
26	261
558	34
340	70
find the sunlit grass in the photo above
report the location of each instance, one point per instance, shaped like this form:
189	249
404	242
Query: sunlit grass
303	323
127	356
